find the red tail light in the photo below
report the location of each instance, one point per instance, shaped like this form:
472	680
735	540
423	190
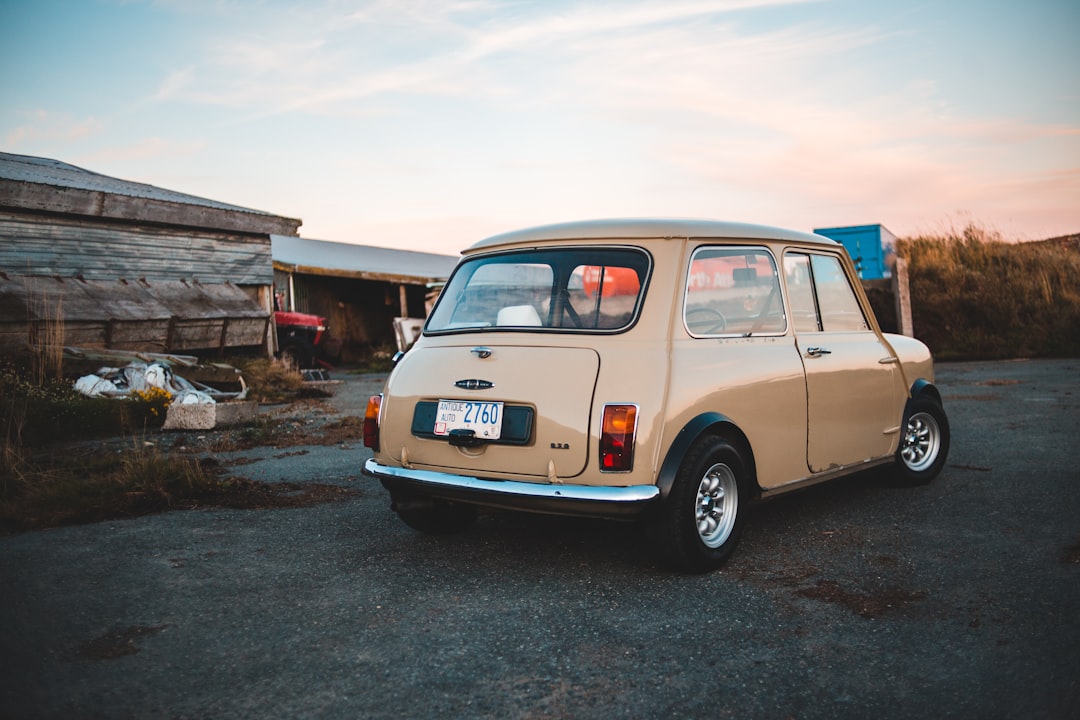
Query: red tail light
617	438
371	422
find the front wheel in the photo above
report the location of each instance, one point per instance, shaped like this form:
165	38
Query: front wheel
298	353
699	524
924	444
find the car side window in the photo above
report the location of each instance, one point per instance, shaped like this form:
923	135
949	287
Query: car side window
733	291
800	288
820	295
840	311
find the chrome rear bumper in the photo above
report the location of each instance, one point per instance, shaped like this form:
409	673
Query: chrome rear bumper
584	500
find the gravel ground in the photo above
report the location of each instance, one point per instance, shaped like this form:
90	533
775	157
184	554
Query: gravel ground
856	599
338	463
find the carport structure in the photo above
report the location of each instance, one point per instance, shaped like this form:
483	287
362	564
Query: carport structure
360	289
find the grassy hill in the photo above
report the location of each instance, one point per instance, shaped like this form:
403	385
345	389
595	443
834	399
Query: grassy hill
975	296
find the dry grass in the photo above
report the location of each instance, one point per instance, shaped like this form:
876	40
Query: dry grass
72	487
49	476
47	334
975	296
102	485
269	380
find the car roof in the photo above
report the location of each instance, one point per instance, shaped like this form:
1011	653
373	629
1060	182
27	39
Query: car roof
642	228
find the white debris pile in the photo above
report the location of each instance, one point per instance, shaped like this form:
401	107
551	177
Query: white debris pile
140	377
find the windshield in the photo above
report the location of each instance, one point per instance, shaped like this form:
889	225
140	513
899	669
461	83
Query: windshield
567	289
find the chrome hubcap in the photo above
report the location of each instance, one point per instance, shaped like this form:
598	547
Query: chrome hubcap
717	505
922	441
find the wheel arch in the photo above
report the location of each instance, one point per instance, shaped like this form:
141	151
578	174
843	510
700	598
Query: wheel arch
922	387
710	423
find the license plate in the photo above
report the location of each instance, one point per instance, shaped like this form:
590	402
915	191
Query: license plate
483	418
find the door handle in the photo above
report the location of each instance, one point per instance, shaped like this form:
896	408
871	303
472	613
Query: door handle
817	351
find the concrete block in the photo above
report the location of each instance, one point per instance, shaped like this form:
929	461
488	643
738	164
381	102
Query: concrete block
208	417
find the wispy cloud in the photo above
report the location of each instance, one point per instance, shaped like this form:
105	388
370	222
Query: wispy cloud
766	110
149	148
598	22
424	47
43	128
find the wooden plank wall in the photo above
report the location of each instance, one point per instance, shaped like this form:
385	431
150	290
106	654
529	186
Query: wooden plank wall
162	316
34	245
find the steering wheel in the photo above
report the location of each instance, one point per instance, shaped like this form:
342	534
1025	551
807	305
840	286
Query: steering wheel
704	320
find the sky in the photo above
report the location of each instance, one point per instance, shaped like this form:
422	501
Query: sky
428	125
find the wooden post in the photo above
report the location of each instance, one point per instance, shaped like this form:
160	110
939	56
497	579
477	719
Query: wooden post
404	295
902	297
223	342
266	301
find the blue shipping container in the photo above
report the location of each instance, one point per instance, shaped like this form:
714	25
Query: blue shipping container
871	247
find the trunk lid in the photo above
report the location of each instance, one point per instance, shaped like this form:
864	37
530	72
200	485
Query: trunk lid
549	389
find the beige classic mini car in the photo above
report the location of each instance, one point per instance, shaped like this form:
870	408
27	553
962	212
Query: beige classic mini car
663	370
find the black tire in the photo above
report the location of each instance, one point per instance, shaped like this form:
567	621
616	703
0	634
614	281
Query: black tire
699	524
299	353
924	442
433	516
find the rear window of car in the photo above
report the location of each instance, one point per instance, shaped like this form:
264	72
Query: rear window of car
584	289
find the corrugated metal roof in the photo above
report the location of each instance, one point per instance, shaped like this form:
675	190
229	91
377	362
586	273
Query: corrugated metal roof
321	257
43	171
44	185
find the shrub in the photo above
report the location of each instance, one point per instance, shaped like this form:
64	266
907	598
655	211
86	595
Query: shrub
974	296
269	380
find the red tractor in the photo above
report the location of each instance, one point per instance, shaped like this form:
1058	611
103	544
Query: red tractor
302	338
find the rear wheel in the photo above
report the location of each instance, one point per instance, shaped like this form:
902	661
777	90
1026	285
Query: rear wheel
924	444
433	516
700	523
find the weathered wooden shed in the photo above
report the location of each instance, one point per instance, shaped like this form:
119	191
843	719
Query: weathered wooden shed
360	289
96	261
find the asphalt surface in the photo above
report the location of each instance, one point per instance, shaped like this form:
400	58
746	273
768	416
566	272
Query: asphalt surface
858	599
